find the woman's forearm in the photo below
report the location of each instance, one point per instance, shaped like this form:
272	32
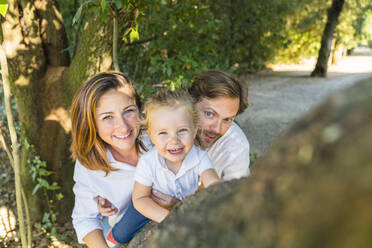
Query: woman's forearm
95	239
147	207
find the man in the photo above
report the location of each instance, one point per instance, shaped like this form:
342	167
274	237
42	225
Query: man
220	98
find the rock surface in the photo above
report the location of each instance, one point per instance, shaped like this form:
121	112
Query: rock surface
312	189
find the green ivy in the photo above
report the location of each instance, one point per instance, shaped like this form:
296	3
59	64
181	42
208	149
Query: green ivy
3	7
39	173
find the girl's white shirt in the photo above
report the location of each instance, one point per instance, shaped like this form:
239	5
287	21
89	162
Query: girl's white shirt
152	171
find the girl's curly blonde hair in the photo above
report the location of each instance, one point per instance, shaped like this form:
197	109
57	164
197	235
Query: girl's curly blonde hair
166	98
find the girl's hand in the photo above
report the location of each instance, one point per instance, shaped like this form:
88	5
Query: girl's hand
163	200
105	207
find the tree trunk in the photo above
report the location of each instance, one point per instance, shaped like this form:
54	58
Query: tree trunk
43	82
337	52
14	157
326	43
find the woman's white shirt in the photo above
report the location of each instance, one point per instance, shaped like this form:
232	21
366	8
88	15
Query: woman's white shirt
117	186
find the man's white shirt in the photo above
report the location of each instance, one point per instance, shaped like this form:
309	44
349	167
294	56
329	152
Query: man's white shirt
230	154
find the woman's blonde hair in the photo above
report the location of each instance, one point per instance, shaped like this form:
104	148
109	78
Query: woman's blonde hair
170	99
87	146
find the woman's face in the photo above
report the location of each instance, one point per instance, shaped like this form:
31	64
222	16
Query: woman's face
117	120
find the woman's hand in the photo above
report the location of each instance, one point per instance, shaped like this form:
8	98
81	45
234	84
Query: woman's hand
95	239
105	207
163	200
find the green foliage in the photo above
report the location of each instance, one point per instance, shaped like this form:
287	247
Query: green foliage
3	119
72	25
252	159
305	21
166	42
362	22
74	13
182	38
3	7
177	41
306	24
48	223
40	174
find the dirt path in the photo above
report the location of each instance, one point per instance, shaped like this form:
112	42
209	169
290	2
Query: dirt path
279	98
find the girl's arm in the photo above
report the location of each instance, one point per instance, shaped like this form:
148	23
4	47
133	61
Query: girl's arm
142	201
209	177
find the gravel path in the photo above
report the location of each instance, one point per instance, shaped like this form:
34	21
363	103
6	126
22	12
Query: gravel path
277	99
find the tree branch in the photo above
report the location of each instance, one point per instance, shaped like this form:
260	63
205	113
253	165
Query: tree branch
115	42
15	147
5	146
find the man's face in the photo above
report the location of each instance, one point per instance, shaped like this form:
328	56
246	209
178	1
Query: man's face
215	118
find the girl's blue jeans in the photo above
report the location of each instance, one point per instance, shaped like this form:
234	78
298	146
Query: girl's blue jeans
129	225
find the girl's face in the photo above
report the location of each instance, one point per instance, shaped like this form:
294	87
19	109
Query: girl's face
117	120
172	132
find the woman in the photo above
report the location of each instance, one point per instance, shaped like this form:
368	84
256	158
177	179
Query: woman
106	146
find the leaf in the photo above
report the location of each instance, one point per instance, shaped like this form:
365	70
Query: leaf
134	34
59	196
53	232
33	175
77	15
44	172
118	4
78	12
36	189
3	7
27	145
53	217
46	217
54	186
103	5
44	183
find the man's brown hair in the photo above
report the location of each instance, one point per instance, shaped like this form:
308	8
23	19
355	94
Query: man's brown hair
215	83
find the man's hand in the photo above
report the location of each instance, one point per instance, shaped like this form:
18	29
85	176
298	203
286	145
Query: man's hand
163	200
105	207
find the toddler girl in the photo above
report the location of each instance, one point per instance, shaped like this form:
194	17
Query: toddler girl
173	167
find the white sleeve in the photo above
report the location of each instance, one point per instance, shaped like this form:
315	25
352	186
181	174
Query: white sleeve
143	172
205	163
236	166
85	215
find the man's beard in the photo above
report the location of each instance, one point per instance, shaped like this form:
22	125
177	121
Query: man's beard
204	142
